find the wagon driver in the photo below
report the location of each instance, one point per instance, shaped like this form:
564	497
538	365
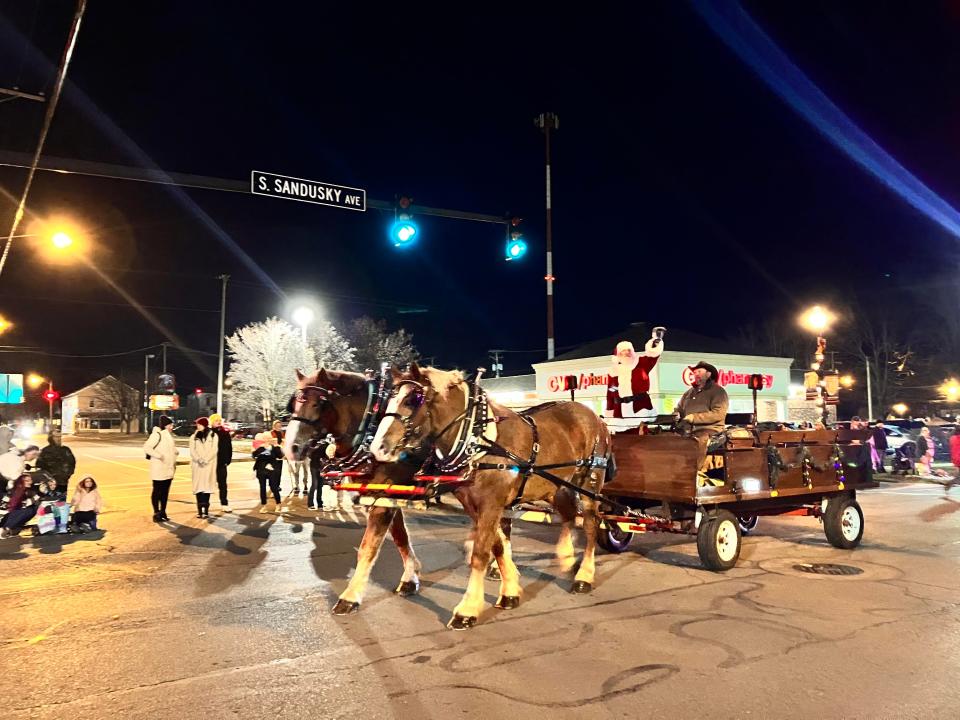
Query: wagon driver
703	408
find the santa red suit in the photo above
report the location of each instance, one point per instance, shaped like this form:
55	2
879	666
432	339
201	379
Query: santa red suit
628	386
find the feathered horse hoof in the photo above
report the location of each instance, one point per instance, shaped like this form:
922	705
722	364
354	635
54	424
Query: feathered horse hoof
345	607
508	602
581	587
407	588
461	622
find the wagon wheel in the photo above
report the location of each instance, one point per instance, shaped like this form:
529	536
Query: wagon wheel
613	539
843	522
718	541
748	523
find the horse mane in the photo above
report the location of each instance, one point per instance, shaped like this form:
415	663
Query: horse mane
442	380
340	380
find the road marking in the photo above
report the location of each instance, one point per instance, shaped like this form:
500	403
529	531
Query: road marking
43	633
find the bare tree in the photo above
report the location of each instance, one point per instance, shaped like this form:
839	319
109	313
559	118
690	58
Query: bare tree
374	345
116	395
776	337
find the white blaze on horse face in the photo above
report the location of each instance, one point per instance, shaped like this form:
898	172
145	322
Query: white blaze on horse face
380	452
290	439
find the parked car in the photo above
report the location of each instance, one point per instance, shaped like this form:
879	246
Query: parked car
184	429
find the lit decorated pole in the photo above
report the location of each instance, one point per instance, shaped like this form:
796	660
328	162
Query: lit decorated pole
818	320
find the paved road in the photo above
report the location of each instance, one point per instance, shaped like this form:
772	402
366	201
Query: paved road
230	619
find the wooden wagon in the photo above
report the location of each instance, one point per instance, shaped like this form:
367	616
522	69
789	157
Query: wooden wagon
671	487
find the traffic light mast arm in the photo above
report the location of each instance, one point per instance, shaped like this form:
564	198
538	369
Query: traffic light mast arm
201	182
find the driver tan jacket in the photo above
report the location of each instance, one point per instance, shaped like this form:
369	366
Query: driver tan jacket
706	408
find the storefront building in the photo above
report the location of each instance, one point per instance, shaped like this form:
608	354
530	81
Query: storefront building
671	376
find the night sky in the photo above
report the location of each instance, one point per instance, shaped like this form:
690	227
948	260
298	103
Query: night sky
686	193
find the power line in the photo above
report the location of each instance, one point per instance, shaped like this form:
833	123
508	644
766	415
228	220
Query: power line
108	304
34	351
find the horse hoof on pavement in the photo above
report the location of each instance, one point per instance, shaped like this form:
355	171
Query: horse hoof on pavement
407	588
493	573
581	587
461	622
345	607
508	602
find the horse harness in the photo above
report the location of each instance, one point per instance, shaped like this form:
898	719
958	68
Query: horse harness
471	444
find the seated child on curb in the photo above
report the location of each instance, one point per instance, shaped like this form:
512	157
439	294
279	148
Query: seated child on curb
87	504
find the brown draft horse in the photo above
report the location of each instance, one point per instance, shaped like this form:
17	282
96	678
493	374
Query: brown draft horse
334	403
427	410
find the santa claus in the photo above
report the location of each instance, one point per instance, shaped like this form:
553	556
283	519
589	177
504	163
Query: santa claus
628	386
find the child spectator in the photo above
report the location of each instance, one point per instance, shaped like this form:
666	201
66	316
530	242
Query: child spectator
18	505
87	504
267	465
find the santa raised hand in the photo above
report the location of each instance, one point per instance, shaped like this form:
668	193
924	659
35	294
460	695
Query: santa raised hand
628	386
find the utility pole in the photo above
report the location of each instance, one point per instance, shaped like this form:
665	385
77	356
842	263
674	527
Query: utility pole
47	121
164	346
548	122
497	366
223	321
869	394
146	391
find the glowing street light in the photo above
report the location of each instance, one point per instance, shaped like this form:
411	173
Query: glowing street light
951	389
61	240
35	381
847	381
303	316
4	324
900	409
817	319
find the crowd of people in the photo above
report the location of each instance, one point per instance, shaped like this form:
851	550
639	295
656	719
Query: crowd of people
35	484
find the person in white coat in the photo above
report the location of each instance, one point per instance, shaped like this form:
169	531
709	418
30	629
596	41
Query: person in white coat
203	463
161	451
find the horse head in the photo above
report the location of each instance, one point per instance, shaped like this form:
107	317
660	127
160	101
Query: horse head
325	403
422	404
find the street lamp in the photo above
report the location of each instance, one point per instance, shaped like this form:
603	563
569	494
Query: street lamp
50	395
817	320
847	381
61	240
303	316
146	391
950	390
4	324
35	381
900	409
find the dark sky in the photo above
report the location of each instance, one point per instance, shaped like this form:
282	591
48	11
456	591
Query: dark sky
686	193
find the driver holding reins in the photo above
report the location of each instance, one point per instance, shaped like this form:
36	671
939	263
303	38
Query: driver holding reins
703	408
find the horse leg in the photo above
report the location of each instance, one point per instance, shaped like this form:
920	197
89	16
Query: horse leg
378	521
485	535
566	505
410	580
510	576
493	572
583	582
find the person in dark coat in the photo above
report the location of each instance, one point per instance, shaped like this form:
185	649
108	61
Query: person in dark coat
57	460
267	465
880	443
224	456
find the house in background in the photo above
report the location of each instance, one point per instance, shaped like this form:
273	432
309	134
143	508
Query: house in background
105	406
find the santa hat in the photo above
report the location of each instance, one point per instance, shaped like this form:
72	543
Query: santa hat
625	345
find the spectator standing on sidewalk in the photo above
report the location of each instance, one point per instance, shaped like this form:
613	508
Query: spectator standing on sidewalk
267	465
161	451
224	456
57	460
880	443
203	463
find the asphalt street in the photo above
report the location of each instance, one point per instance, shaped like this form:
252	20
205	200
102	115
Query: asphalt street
230	618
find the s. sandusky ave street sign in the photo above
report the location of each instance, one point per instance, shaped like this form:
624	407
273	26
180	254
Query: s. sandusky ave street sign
321	193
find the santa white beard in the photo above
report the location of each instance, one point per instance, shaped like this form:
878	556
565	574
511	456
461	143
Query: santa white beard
625	380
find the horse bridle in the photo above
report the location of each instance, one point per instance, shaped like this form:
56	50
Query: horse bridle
301	396
410	431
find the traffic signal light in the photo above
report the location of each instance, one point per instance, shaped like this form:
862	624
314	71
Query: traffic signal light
516	246
51	396
404	230
198	391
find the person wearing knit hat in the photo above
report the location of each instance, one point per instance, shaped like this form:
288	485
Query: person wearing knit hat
161	451
224	456
203	464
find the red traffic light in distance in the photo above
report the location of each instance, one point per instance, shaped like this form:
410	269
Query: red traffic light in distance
51	395
198	391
